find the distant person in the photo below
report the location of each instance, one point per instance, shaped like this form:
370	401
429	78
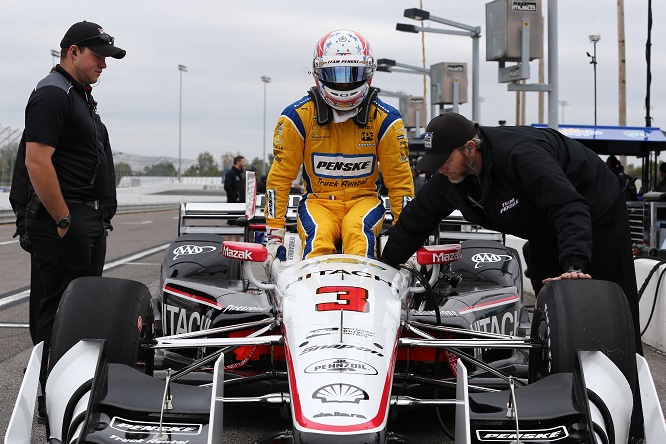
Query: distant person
234	181
627	182
71	173
341	133
419	179
661	187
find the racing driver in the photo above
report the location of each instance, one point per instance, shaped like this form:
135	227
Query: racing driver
341	134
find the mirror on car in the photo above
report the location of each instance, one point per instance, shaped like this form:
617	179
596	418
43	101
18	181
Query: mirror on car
438	254
244	251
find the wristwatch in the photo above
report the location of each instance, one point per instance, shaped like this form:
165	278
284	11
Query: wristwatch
573	269
64	222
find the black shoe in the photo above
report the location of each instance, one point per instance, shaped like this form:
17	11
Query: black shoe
41	409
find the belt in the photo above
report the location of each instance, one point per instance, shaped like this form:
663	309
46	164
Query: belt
90	203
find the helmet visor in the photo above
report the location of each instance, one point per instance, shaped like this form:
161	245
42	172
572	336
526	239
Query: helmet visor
342	74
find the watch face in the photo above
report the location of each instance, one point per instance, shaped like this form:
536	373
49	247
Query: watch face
63	223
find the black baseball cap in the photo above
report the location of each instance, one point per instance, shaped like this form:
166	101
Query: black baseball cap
92	35
444	134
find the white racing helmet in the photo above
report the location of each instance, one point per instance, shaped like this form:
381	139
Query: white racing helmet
343	67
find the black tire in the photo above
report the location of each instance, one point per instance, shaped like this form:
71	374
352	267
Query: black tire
117	310
572	315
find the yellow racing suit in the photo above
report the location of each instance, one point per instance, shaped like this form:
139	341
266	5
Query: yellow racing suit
341	163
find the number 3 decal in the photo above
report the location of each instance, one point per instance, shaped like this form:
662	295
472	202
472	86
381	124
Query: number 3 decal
349	299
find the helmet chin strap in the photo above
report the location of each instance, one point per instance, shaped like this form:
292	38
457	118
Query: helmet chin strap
325	114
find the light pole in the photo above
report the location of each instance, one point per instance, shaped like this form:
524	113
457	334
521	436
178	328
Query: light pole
390	65
594	38
182	69
563	103
470	31
266	81
54	54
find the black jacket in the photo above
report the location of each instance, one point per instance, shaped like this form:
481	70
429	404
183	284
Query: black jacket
234	185
535	183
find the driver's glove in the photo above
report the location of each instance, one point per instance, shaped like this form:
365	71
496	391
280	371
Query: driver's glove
274	238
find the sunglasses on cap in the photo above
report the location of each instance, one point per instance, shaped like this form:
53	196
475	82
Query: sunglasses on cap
104	37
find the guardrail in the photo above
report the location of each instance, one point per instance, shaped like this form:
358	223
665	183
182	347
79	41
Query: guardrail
8	217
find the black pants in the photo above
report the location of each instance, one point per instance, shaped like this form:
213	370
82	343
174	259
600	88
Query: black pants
36	294
612	260
79	253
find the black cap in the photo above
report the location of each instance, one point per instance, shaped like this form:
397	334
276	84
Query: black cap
444	134
91	35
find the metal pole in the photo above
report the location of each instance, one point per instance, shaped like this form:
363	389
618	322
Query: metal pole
181	68
476	103
594	63
553	93
266	81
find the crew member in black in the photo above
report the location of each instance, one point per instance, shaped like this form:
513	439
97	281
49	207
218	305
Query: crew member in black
70	168
533	183
536	184
233	181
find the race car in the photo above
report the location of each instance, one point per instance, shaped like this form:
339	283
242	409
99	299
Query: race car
339	343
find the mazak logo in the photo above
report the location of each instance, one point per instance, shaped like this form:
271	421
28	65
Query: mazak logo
554	434
125	425
243	255
184	250
524	6
347	366
455	68
445	258
339	166
489	258
342	393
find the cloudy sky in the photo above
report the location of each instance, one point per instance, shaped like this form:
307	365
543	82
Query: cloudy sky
228	45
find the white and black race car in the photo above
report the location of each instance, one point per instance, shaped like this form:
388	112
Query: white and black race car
339	343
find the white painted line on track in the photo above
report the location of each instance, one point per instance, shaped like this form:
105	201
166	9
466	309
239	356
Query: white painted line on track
9	325
24	294
8	242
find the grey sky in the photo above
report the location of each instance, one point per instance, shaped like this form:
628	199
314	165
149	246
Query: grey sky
227	46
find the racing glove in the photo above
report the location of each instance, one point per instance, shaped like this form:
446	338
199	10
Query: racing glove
274	238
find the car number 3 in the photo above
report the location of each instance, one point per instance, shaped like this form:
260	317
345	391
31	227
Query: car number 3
348	298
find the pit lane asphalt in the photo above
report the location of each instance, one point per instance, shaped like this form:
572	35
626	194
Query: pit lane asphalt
137	233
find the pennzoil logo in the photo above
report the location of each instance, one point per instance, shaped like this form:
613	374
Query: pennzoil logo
341	393
545	435
342	365
185	250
